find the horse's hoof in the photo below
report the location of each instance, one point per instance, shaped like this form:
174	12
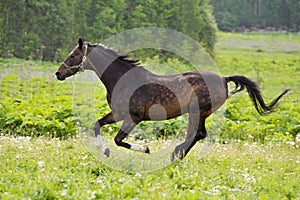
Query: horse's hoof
106	152
173	157
146	149
177	155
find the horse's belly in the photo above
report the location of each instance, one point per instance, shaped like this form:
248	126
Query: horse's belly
159	111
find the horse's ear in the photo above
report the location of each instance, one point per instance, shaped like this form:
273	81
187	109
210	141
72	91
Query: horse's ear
80	43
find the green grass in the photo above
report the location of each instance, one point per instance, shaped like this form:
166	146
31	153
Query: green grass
259	36
62	169
256	157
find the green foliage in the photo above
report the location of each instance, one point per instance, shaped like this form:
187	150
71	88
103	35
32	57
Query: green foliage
40	168
37	29
227	22
35	106
243	123
278	14
29	28
273	71
195	19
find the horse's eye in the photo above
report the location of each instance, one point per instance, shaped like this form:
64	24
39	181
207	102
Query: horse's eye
72	56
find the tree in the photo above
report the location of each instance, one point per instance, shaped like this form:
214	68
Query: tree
280	14
32	26
35	29
194	18
105	19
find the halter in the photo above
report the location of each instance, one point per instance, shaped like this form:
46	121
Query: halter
80	67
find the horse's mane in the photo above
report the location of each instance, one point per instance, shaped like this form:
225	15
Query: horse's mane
122	57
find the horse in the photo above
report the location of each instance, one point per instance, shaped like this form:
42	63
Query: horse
135	94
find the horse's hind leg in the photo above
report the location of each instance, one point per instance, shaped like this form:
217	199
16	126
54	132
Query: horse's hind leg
126	128
108	119
196	131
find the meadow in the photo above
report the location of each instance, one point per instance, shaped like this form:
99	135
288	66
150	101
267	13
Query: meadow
255	157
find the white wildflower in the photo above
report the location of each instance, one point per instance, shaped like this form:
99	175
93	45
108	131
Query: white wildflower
84	157
93	195
297	140
41	164
64	192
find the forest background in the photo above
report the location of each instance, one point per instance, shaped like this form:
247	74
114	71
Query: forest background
42	30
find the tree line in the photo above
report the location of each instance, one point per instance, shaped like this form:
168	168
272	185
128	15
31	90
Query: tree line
257	14
44	30
35	29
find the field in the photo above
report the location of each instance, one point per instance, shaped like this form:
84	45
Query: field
48	169
255	157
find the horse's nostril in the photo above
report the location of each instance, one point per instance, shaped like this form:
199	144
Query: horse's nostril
57	73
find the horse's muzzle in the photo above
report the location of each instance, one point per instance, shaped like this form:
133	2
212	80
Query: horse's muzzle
59	76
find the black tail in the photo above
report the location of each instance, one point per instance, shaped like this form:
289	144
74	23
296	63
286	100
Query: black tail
254	92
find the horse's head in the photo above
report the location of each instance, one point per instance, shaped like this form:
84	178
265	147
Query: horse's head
74	62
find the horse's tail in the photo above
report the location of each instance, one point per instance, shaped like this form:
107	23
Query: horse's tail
252	87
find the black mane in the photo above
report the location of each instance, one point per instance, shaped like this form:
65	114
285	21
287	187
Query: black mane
122	57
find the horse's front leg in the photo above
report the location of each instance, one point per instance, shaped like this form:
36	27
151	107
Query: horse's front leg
126	128
108	119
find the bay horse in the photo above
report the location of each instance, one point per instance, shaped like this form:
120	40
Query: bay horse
135	94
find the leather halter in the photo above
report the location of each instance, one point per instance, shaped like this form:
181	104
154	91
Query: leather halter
80	67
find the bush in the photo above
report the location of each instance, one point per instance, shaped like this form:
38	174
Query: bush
34	107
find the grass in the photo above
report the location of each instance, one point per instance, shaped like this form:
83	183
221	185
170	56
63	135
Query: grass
41	168
259	37
239	168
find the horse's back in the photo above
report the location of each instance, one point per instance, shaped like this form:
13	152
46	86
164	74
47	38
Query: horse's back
180	93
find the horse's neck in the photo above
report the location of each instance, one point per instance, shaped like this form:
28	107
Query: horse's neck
107	66
110	68
114	72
